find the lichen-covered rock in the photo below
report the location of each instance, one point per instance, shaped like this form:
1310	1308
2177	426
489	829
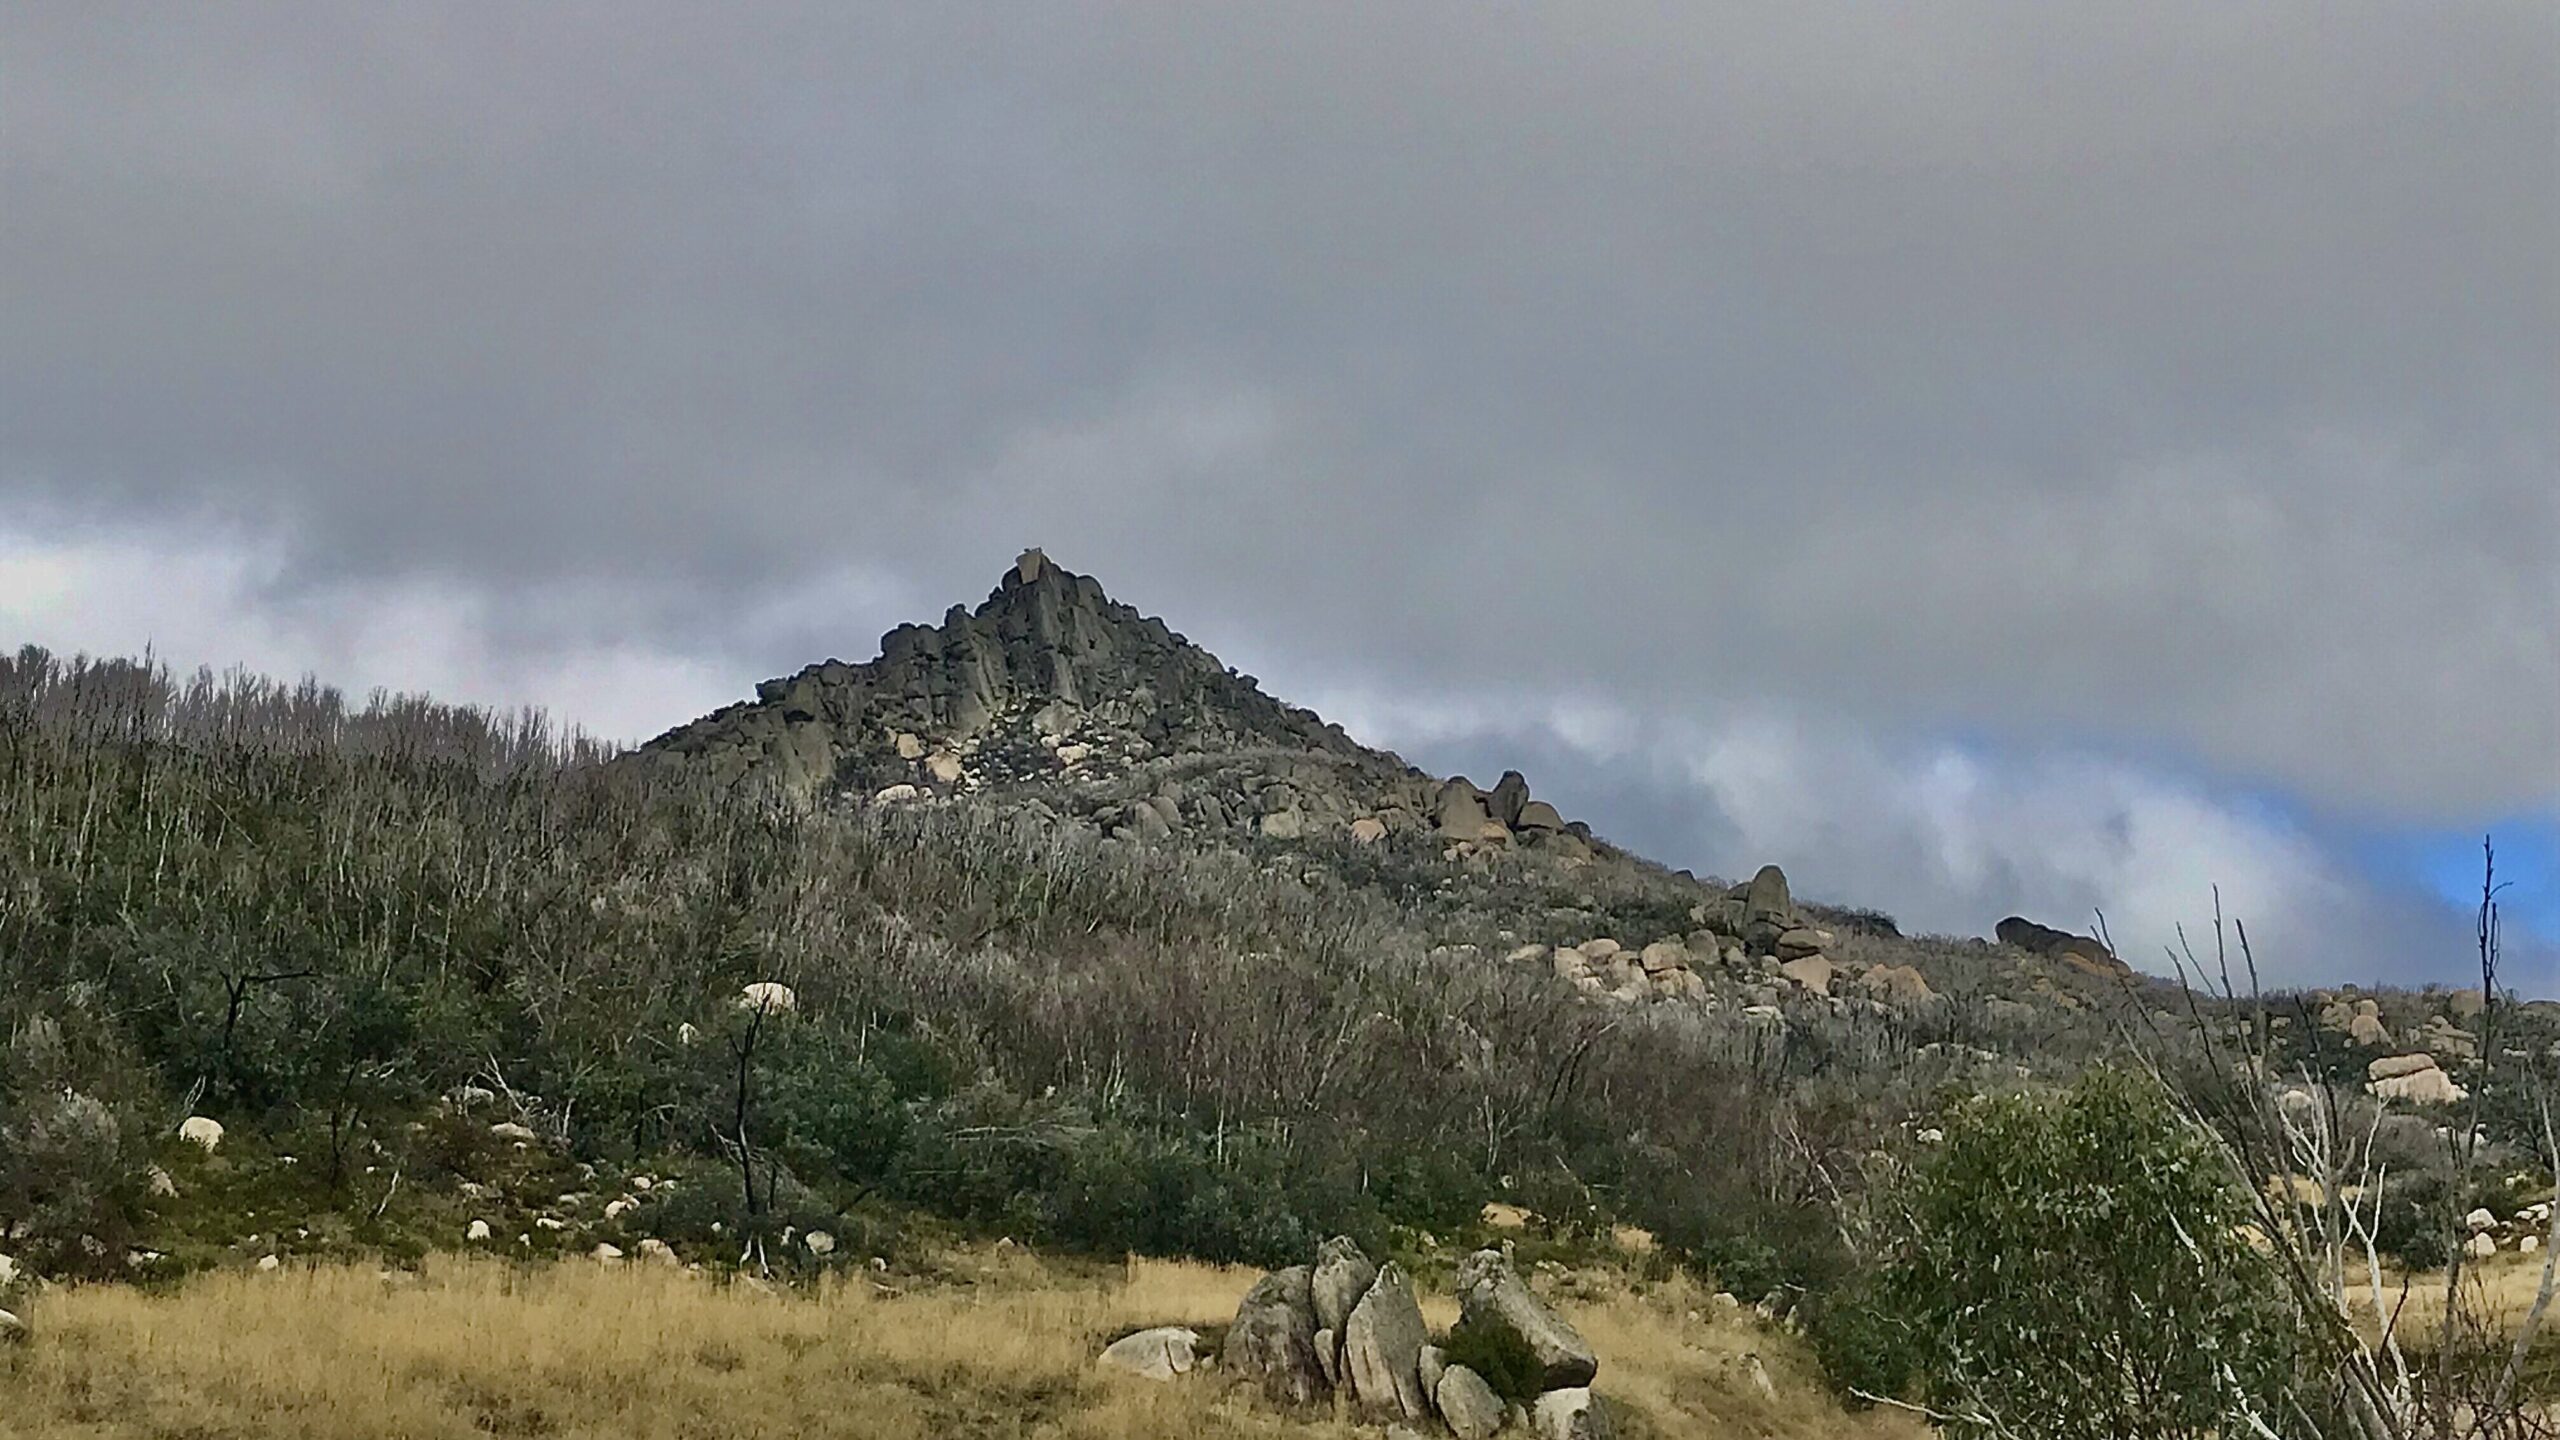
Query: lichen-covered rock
1382	1348
1273	1339
1491	1294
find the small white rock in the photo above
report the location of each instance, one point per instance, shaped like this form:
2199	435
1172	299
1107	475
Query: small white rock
819	1242
201	1131
607	1254
479	1231
769	998
270	1263
510	1130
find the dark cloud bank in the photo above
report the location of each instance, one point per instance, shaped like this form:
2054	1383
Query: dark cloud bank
1943	394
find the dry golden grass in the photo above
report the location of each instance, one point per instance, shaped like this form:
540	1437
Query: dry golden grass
471	1349
2501	1288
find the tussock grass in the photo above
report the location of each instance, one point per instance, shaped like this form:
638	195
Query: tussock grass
470	1348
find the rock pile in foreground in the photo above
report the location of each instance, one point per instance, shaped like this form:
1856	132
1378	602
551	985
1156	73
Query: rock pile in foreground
1344	1327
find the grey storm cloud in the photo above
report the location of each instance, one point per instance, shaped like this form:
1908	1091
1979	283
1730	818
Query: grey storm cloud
2179	379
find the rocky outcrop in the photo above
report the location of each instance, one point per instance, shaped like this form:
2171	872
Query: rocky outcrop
2079	951
1102	718
1274	1337
2415	1079
1492	1296
1603	969
1768	911
1384	1361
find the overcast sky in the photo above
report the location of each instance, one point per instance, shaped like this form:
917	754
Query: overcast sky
1986	457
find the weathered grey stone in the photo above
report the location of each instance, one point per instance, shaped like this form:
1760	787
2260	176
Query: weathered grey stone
1490	1293
1459	811
1273	1339
1433	1361
1342	1275
1158	1354
1329	1356
1382	1348
1802	940
1768	911
1570	1414
1510	796
1539	817
1813	972
1467	1405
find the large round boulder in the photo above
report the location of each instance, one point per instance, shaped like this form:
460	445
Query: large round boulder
1158	1354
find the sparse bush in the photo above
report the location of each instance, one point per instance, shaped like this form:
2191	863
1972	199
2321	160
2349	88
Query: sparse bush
2074	1264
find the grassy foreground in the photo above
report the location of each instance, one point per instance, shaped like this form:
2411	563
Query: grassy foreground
1003	1347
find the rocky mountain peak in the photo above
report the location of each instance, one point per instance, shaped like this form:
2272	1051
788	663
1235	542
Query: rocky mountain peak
1083	708
1047	660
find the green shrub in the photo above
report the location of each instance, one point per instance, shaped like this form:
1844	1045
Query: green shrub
2074	1264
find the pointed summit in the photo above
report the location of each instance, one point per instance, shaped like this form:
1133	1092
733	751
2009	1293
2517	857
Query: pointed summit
1056	700
1046	655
